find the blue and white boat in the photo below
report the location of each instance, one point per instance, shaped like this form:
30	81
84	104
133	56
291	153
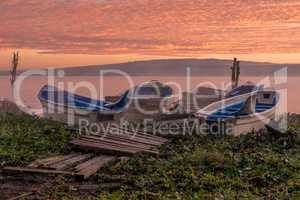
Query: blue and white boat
68	107
240	114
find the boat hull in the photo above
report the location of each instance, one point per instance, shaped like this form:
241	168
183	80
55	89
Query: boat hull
242	114
256	122
71	115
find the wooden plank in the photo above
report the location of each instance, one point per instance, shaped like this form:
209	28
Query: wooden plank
35	171
161	140
118	146
152	137
107	147
110	146
45	163
140	140
88	163
128	140
133	133
140	135
100	147
66	164
147	138
143	133
39	163
134	148
117	141
91	167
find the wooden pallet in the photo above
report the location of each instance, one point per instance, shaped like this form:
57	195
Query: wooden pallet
77	165
120	141
84	165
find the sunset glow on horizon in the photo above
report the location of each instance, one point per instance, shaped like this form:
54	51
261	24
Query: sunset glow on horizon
58	33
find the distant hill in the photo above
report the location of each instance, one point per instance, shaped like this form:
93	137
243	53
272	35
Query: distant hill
177	67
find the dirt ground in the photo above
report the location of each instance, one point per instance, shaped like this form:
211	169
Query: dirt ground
37	186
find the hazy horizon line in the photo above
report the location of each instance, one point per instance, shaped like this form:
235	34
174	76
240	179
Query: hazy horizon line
151	60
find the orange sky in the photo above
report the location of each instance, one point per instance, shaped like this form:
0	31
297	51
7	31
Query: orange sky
55	33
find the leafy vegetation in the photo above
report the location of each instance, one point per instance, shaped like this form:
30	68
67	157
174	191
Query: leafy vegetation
23	139
258	165
261	165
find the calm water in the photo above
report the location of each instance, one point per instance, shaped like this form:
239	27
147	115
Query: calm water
116	85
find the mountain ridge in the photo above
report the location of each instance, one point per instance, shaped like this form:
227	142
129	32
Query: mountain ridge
178	67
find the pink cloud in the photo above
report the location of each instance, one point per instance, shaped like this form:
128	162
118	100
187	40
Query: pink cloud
155	27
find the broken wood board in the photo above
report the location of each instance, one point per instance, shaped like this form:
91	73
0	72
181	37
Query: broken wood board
68	163
47	162
120	142
35	171
131	138
80	166
91	167
85	143
148	143
133	133
104	148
